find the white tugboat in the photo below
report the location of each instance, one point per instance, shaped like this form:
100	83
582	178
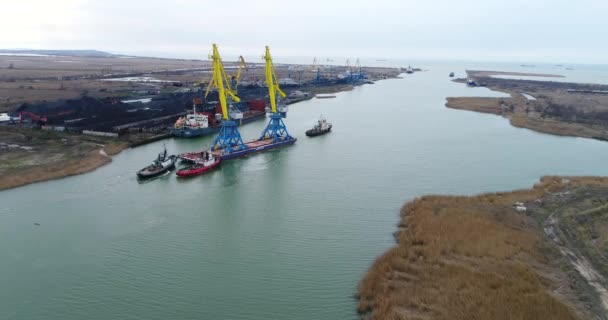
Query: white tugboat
322	127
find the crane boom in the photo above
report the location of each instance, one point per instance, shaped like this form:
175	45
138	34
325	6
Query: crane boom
237	79
221	83
271	81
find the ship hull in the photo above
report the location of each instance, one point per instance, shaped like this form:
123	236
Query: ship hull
192	133
197	171
314	133
199	132
148	172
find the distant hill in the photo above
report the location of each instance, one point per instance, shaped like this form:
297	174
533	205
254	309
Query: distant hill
70	53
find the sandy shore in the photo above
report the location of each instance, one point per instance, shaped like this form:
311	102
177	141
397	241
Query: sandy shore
480	258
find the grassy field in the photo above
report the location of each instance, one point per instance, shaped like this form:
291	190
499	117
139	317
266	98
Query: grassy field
477	258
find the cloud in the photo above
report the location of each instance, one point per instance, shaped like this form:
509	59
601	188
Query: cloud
491	29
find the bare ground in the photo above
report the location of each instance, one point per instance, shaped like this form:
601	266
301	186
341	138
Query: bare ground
555	110
28	156
37	79
478	258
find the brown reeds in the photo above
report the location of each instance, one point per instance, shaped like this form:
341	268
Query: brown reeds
467	258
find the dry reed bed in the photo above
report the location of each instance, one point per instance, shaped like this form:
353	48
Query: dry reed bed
469	258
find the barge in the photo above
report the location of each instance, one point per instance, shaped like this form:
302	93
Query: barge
254	147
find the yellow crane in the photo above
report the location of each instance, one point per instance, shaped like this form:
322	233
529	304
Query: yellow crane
272	81
276	129
229	137
220	82
237	79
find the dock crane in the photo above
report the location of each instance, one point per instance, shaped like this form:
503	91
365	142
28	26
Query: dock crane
276	129
359	75
229	137
235	80
318	78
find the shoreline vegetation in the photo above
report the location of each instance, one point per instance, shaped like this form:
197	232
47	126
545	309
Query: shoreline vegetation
526	254
543	106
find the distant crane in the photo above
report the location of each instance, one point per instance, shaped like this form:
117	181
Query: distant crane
347	65
318	78
352	74
276	129
237	79
359	75
229	137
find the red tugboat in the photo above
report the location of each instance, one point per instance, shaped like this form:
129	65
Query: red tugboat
203	164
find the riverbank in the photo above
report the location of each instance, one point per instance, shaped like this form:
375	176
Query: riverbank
487	256
29	156
543	106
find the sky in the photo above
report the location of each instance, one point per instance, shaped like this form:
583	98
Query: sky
489	30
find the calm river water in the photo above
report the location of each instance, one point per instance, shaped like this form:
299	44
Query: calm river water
281	235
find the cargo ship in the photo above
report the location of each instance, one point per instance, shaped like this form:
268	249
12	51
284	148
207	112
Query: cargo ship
197	124
194	124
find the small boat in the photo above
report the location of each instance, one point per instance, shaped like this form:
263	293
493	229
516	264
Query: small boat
451	74
161	164
409	70
206	162
322	127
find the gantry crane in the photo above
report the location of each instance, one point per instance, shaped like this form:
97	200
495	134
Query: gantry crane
276	129
229	137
